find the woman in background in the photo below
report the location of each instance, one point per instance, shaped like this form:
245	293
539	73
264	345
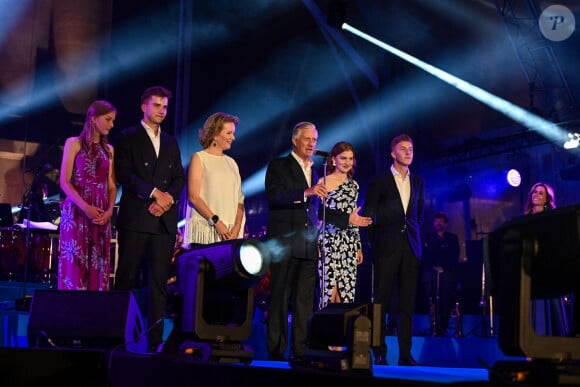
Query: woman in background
548	316
87	178
215	209
540	198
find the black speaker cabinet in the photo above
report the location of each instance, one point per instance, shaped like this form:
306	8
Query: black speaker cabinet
86	319
340	338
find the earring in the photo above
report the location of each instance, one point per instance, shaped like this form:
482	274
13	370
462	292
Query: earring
333	163
214	143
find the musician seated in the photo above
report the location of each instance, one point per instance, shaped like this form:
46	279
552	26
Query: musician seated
34	207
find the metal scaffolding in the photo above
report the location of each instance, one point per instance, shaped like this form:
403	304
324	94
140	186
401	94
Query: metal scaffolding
550	93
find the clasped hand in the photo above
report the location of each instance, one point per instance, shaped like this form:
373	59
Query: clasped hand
98	215
156	210
163	199
223	231
162	204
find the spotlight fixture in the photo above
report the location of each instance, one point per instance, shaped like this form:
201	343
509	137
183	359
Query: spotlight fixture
528	258
514	177
216	286
573	142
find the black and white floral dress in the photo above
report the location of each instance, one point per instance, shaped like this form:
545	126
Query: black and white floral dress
339	247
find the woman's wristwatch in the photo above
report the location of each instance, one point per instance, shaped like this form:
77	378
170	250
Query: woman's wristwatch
213	220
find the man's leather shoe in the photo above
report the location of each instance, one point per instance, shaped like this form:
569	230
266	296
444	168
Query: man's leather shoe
381	360
408	361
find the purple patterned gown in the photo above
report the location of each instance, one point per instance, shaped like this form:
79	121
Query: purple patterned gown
84	258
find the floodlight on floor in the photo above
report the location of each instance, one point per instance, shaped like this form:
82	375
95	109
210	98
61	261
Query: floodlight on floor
216	282
529	258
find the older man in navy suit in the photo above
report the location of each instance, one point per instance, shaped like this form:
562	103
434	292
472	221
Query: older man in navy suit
293	199
395	200
148	167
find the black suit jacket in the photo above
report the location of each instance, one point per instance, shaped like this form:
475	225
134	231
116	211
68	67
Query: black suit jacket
292	221
383	203
442	252
139	170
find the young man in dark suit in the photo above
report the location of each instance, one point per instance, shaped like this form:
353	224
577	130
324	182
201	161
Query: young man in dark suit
395	200
293	199
148	167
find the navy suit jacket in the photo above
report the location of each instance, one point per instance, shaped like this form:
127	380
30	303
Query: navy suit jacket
383	204
139	170
292	221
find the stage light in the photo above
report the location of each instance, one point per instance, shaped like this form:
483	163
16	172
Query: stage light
251	260
535	257
216	286
573	142
514	178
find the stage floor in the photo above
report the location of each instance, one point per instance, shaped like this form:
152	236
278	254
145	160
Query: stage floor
67	367
447	360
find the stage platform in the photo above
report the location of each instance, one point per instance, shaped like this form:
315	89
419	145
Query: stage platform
67	367
459	361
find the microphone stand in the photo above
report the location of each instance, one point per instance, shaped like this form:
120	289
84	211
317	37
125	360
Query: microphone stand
483	304
435	309
24	303
322	250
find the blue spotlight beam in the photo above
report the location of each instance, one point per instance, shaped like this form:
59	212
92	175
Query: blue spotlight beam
547	128
342	42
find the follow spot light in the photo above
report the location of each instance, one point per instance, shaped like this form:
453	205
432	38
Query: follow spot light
215	283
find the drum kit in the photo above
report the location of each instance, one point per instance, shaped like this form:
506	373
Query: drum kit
28	250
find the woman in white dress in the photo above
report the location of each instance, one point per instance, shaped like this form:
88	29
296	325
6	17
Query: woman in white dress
215	209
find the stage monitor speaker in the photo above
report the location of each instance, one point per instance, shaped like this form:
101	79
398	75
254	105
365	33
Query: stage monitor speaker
340	338
86	319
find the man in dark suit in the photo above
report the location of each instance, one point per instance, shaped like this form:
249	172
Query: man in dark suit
395	200
148	167
293	199
439	272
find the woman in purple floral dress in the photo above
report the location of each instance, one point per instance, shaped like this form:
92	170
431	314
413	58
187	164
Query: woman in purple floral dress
87	178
